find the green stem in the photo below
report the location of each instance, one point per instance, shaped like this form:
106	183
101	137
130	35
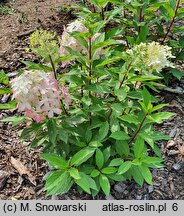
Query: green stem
172	22
140	16
53	67
90	67
55	75
138	129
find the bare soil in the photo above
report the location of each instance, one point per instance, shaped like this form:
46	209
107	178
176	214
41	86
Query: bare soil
27	183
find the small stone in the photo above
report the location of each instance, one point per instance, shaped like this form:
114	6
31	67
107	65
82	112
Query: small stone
120	187
138	197
150	188
109	197
177	166
146	197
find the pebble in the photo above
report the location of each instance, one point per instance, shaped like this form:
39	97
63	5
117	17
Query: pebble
146	197
109	197
120	187
150	188
138	197
177	166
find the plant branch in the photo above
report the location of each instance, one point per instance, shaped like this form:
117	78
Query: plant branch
53	67
55	75
172	22
138	129
140	16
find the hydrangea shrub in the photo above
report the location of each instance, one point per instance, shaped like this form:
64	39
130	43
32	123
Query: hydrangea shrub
95	121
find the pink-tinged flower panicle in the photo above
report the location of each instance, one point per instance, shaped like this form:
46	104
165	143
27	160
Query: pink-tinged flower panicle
69	41
38	94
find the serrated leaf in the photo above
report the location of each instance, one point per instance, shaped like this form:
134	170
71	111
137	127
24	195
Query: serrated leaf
105	185
122	147
52	130
34	66
3	78
124	167
119	135
160	117
99	158
146	97
74	173
58	183
95	173
5	91
10	105
116	162
109	170
121	94
82	156
130	118
15	119
146	173
157	107
55	160
138	147
177	73
104	129
137	176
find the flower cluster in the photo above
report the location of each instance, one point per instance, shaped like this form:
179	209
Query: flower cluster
147	58
69	41
38	94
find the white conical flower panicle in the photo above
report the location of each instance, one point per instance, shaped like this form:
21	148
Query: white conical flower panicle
38	94
150	57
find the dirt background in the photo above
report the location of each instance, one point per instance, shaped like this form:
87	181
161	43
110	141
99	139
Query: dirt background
21	169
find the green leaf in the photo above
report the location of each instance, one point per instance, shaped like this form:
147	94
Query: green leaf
109	170
181	41
121	94
82	156
86	182
144	30
146	97
107	153
108	61
3	78
99	157
138	147
137	176
95	144
10	105
119	135
124	167
152	160
95	173
58	182
105	185
74	173
116	162
117	177
146	173
160	117
55	160
130	118
180	57
83	183
15	119
177	73
5	91
122	148
157	107
104	129
52	130
34	66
